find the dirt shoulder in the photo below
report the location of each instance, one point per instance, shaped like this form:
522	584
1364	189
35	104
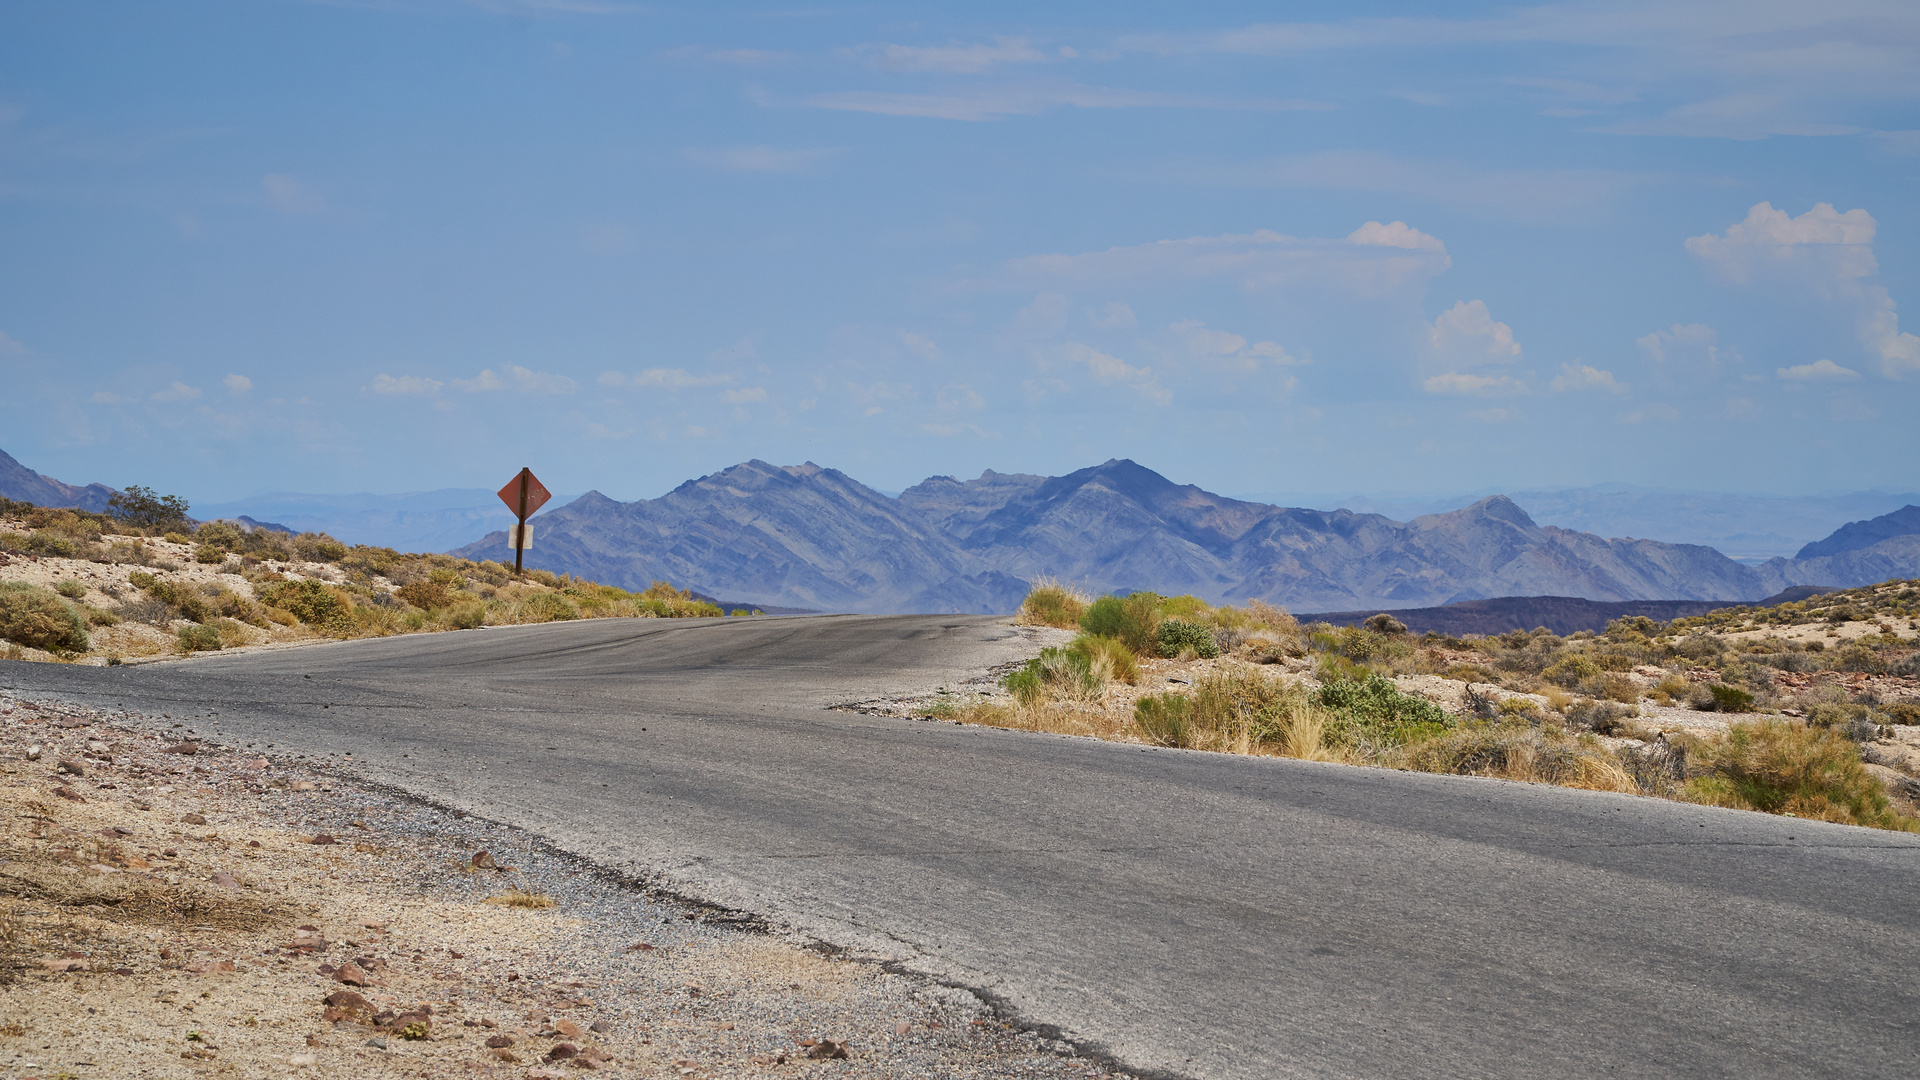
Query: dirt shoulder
168	913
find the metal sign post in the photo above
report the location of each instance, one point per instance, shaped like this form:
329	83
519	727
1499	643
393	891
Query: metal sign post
523	495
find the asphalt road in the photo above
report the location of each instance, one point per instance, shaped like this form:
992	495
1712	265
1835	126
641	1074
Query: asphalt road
1201	915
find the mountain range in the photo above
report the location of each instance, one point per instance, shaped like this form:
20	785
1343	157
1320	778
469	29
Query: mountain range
811	537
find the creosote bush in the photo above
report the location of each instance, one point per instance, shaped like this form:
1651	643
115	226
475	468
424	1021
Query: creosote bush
1782	767
38	619
1134	620
1050	603
1178	636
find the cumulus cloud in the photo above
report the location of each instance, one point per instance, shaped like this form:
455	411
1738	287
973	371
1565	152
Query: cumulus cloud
1469	385
1823	255
522	379
1577	376
290	196
1467	335
1115	316
1818	371
1229	349
953	58
239	384
539	382
744	395
767	159
1107	369
178	391
480	383
1683	342
1374	260
671	378
920	345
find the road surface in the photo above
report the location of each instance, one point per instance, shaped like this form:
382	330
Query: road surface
1188	914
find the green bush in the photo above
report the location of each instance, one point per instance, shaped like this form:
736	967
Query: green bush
195	637
1063	673
1049	603
466	615
1119	659
549	607
1571	671
1730	698
1376	711
38	619
142	508
53	545
312	603
1905	712
1164	720
209	554
71	589
1134	619
425	595
1178	635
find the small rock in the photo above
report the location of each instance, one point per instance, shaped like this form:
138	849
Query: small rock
65	965
826	1049
562	1051
497	1042
34	752
71	768
74	722
377	1043
181	748
300	1060
303	785
600	1027
568	1028
903	1027
69	793
351	974
253	843
226	880
507	1056
257	763
483	860
96	748
192	819
349	1000
323	838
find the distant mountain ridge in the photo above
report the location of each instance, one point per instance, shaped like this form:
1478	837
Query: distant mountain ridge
807	536
19	482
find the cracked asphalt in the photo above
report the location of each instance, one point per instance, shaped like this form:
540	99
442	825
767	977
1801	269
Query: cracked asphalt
1186	914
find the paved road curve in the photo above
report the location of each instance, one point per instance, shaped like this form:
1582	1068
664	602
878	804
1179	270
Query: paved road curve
1202	915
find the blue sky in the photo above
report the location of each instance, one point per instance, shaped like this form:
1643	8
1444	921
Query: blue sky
271	245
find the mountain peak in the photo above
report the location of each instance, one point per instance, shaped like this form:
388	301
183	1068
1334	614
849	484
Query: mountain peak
1856	535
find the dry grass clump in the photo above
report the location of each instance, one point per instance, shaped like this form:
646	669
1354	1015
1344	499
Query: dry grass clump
1783	767
1050	603
520	898
1524	752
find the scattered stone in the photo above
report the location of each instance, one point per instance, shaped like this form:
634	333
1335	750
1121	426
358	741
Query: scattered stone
377	1043
68	793
74	722
96	748
226	880
827	1049
903	1027
352	974
303	785
483	860
192	819
569	1029
181	748
323	838
65	965
257	763
499	1042
600	1027
71	768
562	1051
34	752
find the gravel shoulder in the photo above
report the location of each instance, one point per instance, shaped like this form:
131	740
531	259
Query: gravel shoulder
176	914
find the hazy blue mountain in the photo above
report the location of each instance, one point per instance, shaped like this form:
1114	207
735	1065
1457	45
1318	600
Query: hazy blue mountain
413	521
19	482
1860	535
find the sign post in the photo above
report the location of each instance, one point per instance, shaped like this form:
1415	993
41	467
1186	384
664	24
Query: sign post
523	495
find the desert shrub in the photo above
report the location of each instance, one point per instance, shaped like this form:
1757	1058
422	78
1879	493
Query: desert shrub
1904	712
545	607
1374	711
1118	658
1050	603
38	619
279	616
195	637
1571	670
425	595
1178	635
466	615
175	536
1164	720
143	508
1612	687
71	589
1723	698
1134	620
209	554
52	544
1599	717
1069	674
1384	623
312	603
1782	767
319	547
221	534
1632	628
183	601
1521	753
1857	657
447	577
147	610
232	633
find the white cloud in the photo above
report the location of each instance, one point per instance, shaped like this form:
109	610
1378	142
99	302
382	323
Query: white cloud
995	102
178	391
1494	416
1822	255
1659	412
540	382
1229	349
744	395
405	384
1374	260
953	59
480	383
1461	383
108	397
290	196
766	159
671	378
920	345
741	57
1108	369
239	384
1115	316
1818	371
8	345
1578	376
1683	341
1466	334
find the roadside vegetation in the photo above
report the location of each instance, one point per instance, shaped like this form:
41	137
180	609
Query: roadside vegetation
145	580
1810	708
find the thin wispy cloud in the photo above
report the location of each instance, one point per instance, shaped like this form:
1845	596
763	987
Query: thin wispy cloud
1000	102
767	159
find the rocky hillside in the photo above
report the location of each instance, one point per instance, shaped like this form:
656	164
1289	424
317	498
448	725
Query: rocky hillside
19	482
804	536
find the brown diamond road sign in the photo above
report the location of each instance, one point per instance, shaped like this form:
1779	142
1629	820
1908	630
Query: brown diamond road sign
524	494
